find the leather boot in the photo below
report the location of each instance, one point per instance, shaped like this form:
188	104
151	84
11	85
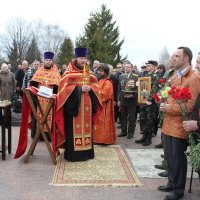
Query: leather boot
148	141
160	145
130	135
141	140
122	134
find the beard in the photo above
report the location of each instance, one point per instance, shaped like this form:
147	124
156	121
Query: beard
46	66
78	65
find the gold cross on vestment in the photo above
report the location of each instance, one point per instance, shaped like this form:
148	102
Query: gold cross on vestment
46	81
87	108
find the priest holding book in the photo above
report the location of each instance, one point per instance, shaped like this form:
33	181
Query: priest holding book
78	104
47	76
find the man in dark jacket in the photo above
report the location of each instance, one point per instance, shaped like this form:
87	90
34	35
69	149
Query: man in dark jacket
127	100
20	76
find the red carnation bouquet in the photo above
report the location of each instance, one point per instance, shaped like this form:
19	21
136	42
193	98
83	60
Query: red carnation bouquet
182	96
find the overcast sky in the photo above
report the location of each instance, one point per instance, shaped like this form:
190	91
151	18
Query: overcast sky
147	26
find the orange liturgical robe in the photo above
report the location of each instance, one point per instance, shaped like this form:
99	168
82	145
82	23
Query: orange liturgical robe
48	78
76	111
104	128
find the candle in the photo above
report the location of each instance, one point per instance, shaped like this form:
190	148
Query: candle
84	71
84	74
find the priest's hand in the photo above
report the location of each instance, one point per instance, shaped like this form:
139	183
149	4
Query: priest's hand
86	88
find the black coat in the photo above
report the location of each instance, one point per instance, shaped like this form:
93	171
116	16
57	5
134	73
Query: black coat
196	117
19	76
115	82
196	113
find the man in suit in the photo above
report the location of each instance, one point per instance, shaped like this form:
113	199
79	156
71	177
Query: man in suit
119	72
176	139
127	99
168	77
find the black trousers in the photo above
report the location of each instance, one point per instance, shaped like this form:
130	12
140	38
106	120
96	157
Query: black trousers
177	163
117	113
128	119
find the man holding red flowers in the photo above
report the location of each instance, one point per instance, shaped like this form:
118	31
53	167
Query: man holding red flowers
176	135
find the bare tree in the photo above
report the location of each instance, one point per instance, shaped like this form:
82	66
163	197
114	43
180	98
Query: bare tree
164	56
19	34
50	38
16	39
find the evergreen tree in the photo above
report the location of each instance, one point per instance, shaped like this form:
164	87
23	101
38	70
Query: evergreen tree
66	52
13	55
33	52
101	37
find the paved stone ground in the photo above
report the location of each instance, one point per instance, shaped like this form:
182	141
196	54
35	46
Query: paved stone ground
151	156
19	181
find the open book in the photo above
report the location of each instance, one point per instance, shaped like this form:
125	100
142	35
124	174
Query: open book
45	92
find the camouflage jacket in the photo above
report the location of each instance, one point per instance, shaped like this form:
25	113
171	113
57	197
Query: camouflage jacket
154	84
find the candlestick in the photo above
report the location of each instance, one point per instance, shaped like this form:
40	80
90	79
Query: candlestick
84	74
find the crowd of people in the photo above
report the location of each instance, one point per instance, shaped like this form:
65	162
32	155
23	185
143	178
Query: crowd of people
92	100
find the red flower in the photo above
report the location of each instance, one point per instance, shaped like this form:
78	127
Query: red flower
156	98
181	94
186	94
176	95
162	81
173	90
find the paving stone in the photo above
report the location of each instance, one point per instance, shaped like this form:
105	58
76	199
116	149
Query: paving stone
19	181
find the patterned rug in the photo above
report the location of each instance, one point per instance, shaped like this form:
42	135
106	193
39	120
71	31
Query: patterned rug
110	167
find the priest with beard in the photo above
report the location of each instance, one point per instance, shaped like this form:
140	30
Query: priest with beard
104	128
78	104
47	75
